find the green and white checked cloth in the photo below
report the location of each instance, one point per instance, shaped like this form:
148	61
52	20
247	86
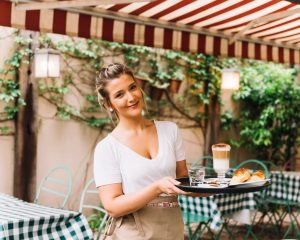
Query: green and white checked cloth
215	207
285	186
22	220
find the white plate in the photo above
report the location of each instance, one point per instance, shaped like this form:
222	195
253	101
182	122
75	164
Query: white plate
206	185
250	184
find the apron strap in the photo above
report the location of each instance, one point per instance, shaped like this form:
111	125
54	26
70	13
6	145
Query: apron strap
138	223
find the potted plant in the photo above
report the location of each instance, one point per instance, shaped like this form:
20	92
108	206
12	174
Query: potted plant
156	91
177	76
142	79
175	68
159	83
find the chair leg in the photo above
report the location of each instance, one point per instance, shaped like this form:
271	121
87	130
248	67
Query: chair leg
294	226
250	232
228	230
200	229
189	231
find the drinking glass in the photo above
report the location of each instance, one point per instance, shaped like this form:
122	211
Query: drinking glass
221	156
196	175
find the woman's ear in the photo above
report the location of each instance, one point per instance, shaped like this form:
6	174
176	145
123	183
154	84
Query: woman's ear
108	107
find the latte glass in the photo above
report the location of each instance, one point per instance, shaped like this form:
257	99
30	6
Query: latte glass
221	156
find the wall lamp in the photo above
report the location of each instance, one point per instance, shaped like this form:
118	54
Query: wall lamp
46	63
230	79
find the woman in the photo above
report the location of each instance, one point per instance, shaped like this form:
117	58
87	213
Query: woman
135	166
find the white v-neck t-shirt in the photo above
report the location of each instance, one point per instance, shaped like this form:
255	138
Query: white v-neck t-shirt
114	162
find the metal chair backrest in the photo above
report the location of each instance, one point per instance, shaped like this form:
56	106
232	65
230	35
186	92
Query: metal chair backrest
51	181
206	161
90	189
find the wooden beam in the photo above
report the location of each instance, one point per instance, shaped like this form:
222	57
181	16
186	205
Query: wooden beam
264	19
26	125
71	3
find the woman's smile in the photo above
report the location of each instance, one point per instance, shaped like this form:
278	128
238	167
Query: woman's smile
134	105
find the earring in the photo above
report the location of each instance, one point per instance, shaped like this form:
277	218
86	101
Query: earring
111	110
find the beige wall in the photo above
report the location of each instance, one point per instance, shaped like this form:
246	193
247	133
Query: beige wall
66	142
6	142
6	164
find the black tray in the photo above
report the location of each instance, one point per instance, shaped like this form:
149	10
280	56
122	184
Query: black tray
185	186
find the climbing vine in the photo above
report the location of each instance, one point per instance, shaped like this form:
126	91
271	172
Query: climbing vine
82	58
10	95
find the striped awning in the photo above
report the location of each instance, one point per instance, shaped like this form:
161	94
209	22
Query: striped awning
189	25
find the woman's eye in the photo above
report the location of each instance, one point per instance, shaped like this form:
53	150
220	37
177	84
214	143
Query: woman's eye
119	95
133	87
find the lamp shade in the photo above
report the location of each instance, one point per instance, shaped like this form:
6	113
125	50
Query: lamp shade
46	63
230	79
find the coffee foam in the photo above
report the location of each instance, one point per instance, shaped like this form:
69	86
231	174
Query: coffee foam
221	147
221	151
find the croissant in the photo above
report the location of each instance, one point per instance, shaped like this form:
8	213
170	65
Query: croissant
240	175
256	176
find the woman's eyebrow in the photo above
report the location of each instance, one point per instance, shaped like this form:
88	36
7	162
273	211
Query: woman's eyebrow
133	83
118	92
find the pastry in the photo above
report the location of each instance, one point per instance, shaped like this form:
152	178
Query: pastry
257	176
239	176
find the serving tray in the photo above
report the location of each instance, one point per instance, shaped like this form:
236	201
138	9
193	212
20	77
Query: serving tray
211	188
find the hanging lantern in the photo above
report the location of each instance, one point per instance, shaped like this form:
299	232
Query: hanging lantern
230	79
46	63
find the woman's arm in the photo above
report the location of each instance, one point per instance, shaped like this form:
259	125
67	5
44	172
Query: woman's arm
117	204
181	169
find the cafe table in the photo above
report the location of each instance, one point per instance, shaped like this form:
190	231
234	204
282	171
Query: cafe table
218	206
23	220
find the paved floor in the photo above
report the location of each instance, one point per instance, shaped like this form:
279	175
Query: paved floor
262	231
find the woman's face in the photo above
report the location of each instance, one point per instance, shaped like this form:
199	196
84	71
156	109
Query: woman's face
125	96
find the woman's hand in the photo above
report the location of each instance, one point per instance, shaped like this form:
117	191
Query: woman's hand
168	185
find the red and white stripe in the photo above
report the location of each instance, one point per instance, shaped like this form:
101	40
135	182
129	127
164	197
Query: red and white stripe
209	26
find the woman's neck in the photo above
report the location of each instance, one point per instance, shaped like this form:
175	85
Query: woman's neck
133	126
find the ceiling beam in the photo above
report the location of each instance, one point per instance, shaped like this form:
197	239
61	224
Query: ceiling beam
70	3
263	19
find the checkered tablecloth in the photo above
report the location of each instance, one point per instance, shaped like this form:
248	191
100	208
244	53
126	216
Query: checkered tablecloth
217	206
23	220
285	186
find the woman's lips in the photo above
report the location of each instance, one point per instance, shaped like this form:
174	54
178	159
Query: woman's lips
133	105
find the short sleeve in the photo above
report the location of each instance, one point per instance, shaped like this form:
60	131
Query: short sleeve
106	164
179	150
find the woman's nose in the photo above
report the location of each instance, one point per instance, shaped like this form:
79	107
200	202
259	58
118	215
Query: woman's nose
130	96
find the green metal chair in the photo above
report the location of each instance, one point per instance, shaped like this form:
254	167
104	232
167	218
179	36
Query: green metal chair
255	165
100	218
201	219
284	206
59	177
207	162
277	208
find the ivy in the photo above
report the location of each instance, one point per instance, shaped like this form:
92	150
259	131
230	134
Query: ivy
10	94
159	67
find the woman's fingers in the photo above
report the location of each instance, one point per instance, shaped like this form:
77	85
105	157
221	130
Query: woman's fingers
168	186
